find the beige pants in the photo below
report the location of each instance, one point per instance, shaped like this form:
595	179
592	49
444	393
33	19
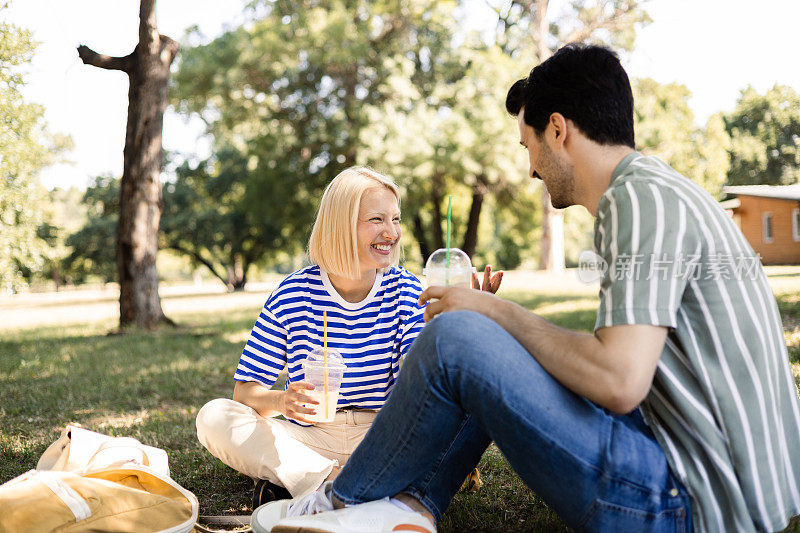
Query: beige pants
296	457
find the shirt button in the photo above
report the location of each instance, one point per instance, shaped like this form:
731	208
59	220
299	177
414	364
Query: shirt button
673	492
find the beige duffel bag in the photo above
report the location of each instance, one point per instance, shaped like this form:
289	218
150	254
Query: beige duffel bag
86	481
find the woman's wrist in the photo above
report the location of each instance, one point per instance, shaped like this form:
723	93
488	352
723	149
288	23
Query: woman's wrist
265	401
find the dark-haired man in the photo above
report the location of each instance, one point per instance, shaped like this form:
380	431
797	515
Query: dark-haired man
678	412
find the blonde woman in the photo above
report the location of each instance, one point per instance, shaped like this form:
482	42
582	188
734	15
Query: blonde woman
372	319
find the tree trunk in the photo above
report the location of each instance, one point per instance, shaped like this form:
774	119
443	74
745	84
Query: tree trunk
419	234
436	212
551	256
471	235
140	192
236	273
56	276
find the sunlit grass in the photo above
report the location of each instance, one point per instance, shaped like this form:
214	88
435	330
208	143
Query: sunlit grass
149	385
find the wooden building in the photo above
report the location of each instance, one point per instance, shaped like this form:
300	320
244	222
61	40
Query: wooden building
769	217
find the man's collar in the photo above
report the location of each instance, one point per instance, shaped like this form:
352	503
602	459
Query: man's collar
622	165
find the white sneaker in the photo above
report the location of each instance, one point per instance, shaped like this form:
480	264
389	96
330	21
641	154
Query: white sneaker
269	514
371	517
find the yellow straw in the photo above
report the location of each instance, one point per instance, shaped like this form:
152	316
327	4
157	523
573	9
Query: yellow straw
325	360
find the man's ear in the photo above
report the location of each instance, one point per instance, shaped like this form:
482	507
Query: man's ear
559	128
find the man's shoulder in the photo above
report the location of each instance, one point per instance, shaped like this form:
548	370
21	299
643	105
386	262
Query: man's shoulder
647	180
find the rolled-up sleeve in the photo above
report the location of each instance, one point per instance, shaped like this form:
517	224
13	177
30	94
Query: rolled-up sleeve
641	236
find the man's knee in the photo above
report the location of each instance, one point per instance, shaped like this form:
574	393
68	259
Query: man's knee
465	331
455	325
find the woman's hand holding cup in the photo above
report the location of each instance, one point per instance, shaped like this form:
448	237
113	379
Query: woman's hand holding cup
294	401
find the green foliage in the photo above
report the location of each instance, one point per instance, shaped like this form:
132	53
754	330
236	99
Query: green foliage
94	246
613	23
403	90
592	20
207	217
63	214
24	151
578	233
458	140
664	127
765	137
296	91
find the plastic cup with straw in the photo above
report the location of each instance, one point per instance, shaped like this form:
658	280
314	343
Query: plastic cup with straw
449	266
324	369
325	359
447	248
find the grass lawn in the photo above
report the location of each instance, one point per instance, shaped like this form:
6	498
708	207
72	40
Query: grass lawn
57	364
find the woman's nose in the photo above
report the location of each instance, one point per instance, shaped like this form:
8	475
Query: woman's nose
390	231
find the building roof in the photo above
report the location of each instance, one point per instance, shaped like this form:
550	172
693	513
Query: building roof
733	203
781	192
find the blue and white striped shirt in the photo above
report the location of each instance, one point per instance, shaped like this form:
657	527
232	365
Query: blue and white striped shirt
371	335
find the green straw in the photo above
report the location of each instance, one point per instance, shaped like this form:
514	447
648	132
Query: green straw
447	251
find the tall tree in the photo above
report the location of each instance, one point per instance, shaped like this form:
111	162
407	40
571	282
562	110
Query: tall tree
295	107
147	68
206	218
454	140
765	137
524	30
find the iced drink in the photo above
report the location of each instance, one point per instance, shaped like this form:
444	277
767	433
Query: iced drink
315	370
326	408
453	271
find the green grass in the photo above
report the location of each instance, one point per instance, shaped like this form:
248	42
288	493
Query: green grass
150	385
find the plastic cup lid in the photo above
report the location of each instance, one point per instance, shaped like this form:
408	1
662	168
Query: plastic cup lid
459	263
317	358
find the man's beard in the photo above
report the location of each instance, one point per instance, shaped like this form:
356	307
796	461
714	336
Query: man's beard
559	180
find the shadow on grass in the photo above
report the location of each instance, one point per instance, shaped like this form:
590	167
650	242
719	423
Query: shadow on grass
149	385
113	297
788	275
503	504
533	300
789	306
572	311
143	384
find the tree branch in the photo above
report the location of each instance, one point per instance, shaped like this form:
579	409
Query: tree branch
616	22
200	259
90	57
171	46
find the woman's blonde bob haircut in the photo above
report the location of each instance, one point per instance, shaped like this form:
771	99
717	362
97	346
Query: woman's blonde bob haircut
333	240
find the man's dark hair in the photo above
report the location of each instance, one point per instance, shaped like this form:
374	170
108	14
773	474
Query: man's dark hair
586	84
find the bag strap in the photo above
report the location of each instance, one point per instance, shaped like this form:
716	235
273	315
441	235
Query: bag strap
74	501
224	520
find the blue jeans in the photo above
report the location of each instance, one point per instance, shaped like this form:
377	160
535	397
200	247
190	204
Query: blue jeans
467	382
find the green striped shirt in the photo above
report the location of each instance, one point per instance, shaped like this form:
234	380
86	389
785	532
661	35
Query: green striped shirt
723	403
